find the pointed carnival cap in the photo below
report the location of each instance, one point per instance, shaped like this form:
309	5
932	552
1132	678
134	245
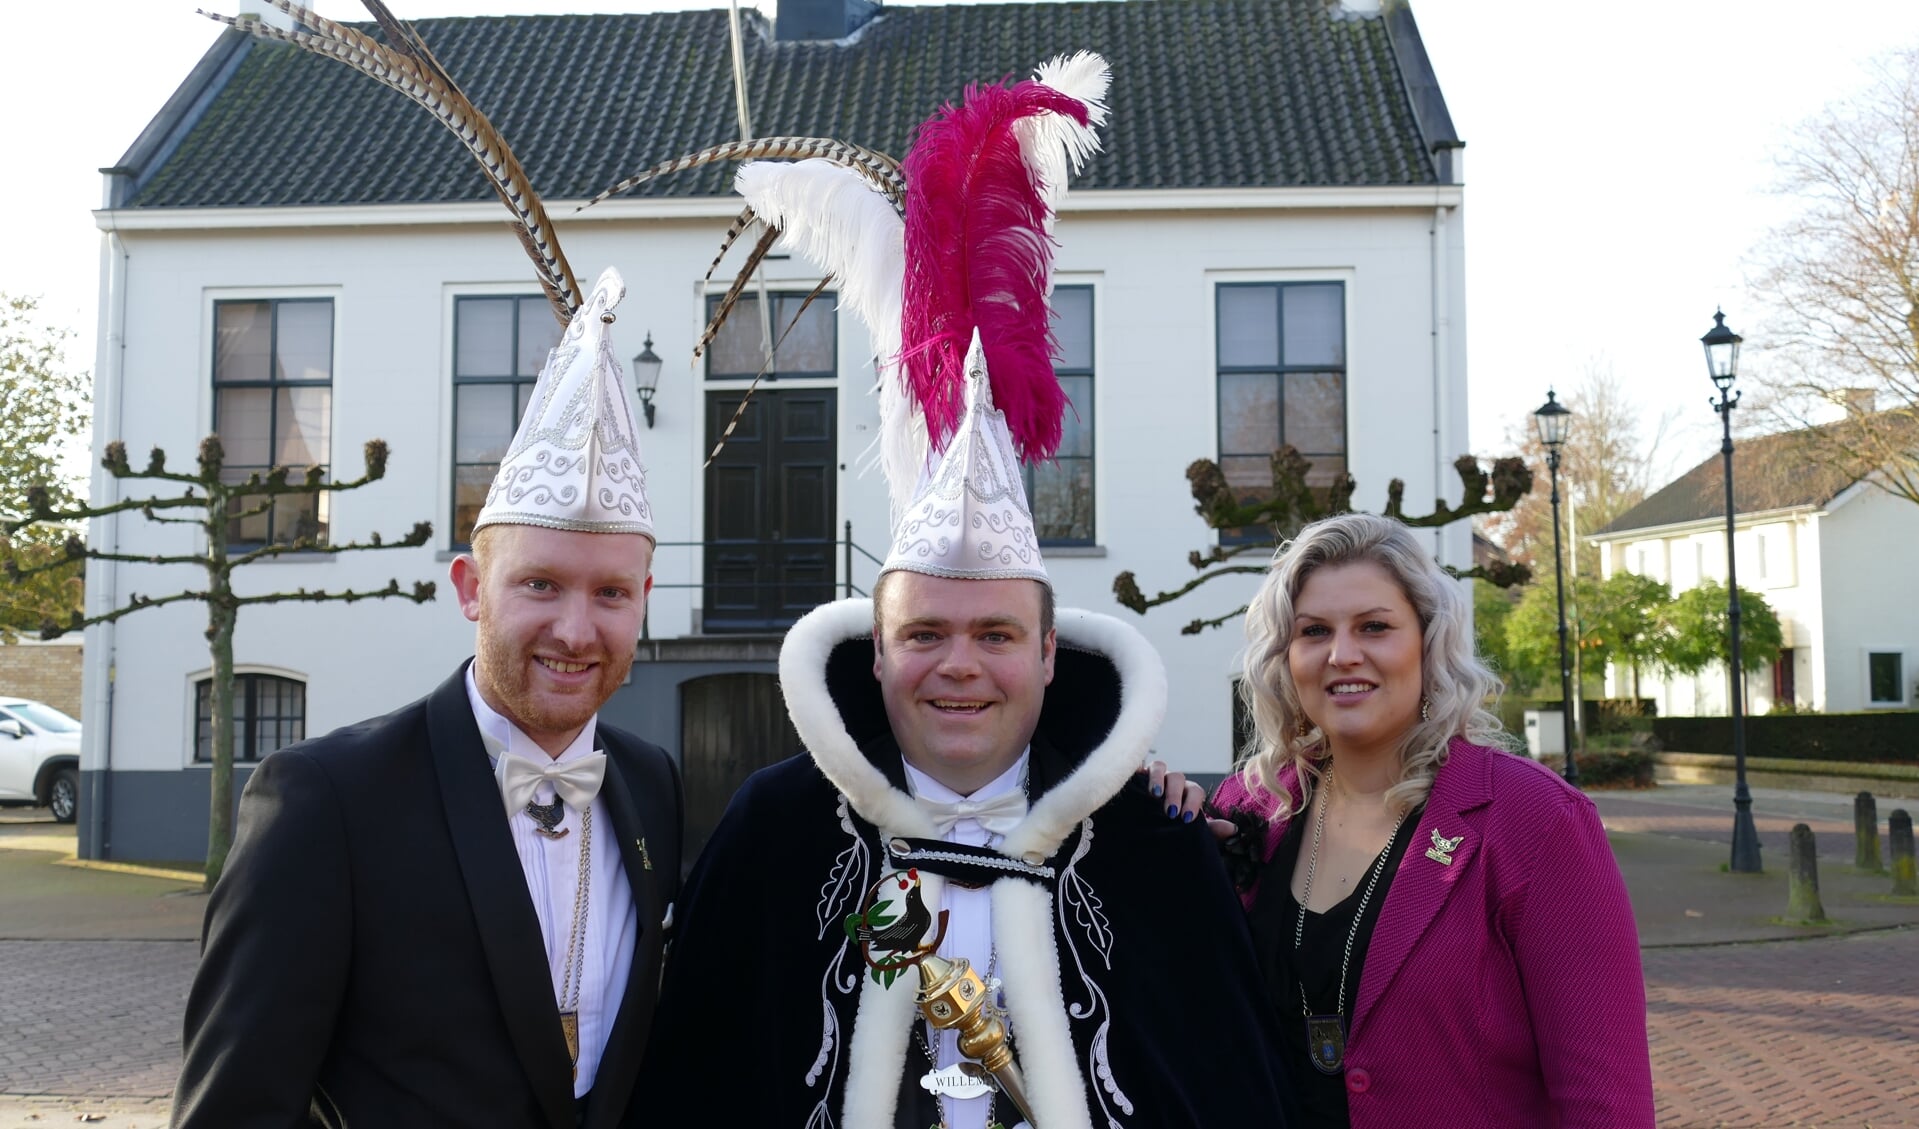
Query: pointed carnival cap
969	518
575	462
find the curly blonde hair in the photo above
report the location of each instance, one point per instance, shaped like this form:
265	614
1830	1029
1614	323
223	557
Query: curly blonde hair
1457	689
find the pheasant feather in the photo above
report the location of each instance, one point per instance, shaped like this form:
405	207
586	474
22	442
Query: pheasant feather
732	295
413	71
979	257
878	168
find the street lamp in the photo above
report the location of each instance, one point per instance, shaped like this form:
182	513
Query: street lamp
1722	364
646	376
1555	423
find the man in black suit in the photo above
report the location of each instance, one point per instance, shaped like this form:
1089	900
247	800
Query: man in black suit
454	915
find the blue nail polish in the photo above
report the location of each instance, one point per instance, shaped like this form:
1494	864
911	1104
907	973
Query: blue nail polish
1172	810
1188	817
1159	789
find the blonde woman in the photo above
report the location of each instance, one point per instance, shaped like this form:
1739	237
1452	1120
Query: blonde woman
1445	934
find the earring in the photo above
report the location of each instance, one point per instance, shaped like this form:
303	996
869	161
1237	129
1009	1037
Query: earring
1425	709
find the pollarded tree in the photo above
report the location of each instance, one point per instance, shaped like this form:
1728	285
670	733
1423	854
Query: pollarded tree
1294	502
219	509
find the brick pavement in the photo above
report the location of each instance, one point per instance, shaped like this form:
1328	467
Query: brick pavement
92	1018
1788	1033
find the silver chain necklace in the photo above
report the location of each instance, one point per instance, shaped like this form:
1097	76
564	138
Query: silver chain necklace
1326	1034
575	973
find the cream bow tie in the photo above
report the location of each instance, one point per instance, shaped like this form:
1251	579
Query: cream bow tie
998	815
575	781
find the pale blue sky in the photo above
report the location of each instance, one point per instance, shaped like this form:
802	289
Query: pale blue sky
1617	164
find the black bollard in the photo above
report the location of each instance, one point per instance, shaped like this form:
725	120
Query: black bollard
1865	826
1802	884
1899	835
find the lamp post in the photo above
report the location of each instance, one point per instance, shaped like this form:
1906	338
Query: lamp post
646	376
1554	421
1722	363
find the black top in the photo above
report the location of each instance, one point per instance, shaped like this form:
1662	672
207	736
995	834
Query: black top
1316	964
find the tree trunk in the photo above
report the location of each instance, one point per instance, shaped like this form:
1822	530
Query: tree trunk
220	617
221	803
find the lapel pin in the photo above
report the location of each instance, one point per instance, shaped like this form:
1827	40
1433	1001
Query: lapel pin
1442	849
646	860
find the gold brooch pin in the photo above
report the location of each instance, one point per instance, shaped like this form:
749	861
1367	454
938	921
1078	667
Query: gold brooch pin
1442	849
646	860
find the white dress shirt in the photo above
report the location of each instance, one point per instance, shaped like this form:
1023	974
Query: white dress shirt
552	868
969	933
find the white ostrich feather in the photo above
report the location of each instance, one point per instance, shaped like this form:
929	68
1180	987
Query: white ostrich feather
834	218
1054	146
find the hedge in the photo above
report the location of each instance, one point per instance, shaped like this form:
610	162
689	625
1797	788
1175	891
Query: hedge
1627	768
1861	738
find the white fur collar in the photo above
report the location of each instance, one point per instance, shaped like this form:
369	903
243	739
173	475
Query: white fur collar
1053	816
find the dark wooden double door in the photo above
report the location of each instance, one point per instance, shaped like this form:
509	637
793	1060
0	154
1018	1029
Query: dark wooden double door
770	509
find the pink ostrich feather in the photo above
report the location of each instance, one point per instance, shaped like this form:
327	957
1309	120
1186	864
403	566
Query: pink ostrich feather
979	255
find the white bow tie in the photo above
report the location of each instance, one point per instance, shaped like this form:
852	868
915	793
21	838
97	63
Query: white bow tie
575	781
998	815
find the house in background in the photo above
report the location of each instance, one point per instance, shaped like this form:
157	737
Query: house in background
1832	555
1270	250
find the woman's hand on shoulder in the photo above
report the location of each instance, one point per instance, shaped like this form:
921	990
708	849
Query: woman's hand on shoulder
1185	799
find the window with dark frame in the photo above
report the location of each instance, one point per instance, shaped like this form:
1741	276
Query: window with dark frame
500	344
1281	355
273	407
1061	490
1886	678
269	713
809	348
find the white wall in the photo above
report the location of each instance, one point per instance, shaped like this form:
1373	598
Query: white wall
392	287
1872	548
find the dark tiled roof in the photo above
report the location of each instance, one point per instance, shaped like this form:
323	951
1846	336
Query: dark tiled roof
1772	472
1206	94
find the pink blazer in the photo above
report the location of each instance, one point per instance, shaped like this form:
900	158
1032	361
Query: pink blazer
1502	988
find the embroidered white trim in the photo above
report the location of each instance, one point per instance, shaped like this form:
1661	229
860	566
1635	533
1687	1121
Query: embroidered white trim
851	875
1072	888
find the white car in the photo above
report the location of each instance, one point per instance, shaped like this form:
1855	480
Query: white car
39	757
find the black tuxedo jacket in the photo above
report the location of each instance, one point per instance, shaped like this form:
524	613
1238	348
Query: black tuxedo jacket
371	956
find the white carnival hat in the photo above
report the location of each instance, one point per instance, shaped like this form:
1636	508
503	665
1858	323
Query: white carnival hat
575	462
969	519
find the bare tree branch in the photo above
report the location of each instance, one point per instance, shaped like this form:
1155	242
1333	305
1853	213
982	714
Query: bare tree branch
1293	501
1838	344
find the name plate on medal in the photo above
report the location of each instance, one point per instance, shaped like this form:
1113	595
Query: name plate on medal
954	1082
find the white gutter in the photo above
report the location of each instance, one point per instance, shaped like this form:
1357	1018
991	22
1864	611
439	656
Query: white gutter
1715	524
726	207
102	585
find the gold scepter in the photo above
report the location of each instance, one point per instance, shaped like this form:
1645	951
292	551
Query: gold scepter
953	995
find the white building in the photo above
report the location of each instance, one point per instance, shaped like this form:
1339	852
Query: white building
1832	555
1270	250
